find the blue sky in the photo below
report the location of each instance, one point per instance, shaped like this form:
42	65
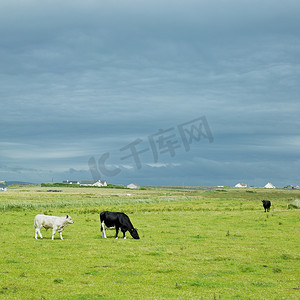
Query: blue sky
81	80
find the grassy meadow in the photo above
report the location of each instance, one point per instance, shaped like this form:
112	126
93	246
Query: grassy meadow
195	244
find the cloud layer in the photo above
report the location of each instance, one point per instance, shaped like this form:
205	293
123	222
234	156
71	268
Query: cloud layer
80	79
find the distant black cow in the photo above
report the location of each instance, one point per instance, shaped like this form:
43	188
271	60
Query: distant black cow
117	220
266	204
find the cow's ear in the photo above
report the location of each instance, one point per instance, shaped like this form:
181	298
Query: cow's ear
67	216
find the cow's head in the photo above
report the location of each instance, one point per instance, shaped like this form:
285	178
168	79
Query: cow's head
134	233
69	219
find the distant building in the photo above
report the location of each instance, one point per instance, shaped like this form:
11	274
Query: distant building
241	185
269	185
71	181
93	183
3	187
289	187
133	186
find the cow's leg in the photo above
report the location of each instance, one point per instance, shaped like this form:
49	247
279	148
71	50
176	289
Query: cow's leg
53	232
123	231
117	232
61	235
103	230
38	231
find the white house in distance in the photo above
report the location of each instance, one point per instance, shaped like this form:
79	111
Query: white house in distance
269	185
3	187
93	183
241	185
133	186
71	181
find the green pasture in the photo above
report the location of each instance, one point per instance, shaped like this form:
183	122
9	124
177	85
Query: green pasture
195	244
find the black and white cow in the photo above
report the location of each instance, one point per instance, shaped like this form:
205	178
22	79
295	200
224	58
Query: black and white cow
266	204
117	220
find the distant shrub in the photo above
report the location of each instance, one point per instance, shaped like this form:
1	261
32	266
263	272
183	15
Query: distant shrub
57	184
116	186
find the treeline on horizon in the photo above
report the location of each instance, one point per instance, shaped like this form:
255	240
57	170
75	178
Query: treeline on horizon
60	184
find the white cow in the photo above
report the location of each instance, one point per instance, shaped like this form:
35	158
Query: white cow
56	223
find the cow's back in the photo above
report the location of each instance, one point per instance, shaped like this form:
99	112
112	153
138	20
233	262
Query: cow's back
109	218
38	220
115	219
124	220
44	220
48	221
266	203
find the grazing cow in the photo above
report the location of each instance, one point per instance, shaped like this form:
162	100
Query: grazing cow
266	204
56	223
117	220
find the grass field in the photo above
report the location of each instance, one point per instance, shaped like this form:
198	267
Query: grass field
195	244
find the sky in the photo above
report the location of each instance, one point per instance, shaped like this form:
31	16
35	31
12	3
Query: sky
198	93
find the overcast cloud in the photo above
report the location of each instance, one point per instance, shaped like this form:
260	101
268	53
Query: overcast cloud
79	79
